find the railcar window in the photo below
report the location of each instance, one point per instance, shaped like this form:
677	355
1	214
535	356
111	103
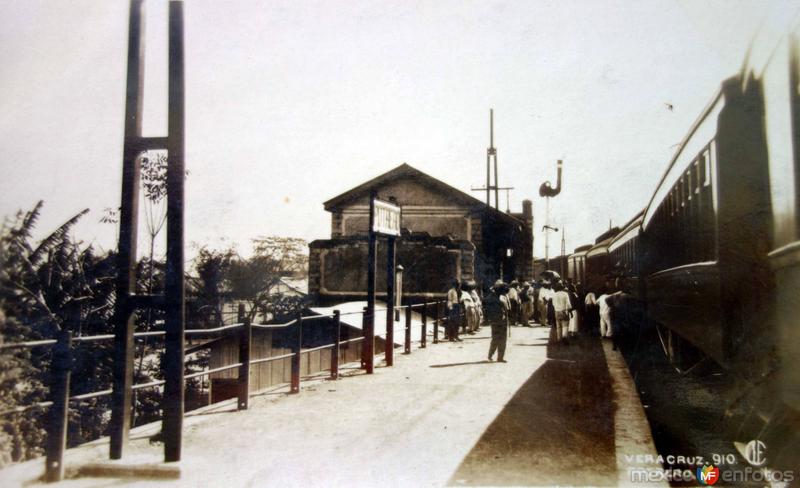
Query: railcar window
689	184
675	200
708	158
697	174
681	192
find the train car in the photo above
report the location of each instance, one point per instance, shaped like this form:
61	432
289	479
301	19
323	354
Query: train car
721	239
705	228
576	264
559	265
624	257
773	69
598	262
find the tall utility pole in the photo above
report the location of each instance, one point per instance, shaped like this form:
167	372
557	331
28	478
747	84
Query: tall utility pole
172	301
491	153
491	158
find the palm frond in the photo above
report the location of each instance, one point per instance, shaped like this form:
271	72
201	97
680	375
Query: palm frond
29	221
58	236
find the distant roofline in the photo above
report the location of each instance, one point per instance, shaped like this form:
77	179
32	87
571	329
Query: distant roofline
406	170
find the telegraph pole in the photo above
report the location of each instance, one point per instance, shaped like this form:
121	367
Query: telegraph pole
491	159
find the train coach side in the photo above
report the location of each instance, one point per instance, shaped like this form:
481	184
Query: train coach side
774	66
598	262
624	251
576	264
705	228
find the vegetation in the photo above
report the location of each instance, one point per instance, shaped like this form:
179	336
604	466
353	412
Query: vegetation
59	283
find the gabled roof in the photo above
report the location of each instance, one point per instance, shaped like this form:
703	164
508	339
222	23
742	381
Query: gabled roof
407	171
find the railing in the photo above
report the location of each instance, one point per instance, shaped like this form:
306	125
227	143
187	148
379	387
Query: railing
62	363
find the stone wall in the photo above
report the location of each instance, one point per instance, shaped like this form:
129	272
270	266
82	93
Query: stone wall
338	267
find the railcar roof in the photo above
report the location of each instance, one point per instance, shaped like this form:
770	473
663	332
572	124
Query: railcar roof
652	203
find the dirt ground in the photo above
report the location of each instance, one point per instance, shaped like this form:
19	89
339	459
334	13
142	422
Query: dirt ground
443	415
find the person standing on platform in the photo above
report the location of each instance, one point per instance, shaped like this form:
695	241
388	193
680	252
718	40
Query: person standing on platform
537	287
497	310
563	311
591	318
468	307
476	299
604	305
513	300
575	304
453	312
545	295
526	297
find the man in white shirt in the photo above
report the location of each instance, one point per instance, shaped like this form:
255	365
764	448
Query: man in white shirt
563	309
545	296
453	312
513	300
605	315
476	299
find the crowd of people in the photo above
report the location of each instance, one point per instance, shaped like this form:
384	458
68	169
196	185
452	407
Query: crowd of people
564	306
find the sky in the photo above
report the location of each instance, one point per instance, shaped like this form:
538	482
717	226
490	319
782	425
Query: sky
291	103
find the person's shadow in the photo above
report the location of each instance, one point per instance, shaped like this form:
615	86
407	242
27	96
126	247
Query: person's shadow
485	361
557	429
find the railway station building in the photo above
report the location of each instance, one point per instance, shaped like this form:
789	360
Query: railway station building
446	234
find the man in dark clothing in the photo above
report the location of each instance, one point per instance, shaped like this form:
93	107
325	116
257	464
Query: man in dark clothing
497	309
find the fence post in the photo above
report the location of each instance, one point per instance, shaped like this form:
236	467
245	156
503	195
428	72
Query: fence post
423	341
337	337
407	342
59	395
389	343
244	369
436	322
298	344
240	313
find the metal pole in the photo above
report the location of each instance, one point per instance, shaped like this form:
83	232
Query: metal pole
59	410
423	339
244	370
390	261
337	337
496	184
368	350
174	285
298	345
123	320
436	321
407	342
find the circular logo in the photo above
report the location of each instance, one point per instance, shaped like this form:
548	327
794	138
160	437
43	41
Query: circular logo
756	453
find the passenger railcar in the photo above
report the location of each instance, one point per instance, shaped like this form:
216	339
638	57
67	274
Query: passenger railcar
773	68
715	254
706	230
720	241
598	263
576	264
623	253
559	265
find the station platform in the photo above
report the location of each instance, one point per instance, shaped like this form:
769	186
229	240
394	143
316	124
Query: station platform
441	416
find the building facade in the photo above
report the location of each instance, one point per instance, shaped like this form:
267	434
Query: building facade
446	235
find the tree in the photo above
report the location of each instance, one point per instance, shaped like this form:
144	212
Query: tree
254	279
44	288
209	288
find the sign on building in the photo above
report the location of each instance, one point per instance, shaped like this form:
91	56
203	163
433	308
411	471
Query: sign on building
386	219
